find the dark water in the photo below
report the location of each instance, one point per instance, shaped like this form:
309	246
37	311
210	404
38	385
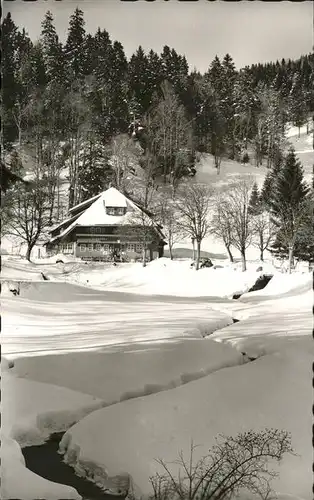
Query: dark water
46	462
260	283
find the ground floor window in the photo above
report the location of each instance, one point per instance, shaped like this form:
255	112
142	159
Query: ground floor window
66	248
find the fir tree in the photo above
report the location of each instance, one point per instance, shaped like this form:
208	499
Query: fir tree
139	90
75	47
52	51
9	47
255	201
288	206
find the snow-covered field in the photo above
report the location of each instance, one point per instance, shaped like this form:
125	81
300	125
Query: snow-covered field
136	376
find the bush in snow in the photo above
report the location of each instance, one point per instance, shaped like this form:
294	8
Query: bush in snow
235	464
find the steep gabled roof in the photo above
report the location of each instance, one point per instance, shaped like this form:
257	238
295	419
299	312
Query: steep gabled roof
95	213
85	204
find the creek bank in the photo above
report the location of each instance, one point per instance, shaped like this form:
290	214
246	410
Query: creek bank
45	461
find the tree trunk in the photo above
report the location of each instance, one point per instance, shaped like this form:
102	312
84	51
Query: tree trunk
194	253
290	259
261	254
198	255
243	259
30	247
71	196
144	257
170	251
229	253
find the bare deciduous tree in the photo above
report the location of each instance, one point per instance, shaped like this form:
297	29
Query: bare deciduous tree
193	205
168	217
221	225
170	136
124	157
29	214
235	464
236	205
265	231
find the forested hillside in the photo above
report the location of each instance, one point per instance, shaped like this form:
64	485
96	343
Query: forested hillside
79	105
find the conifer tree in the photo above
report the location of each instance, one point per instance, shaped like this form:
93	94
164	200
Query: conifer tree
255	201
139	90
75	47
52	51
288	206
9	46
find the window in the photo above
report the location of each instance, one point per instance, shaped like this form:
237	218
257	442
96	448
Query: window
115	210
83	247
98	247
90	247
106	248
139	247
130	247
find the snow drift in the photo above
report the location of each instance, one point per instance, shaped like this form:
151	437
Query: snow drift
274	391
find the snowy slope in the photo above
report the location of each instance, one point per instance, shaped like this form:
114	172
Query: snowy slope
120	374
274	391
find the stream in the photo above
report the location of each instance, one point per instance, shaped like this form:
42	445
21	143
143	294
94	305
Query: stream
45	461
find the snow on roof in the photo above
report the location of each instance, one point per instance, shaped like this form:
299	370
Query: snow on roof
84	203
64	222
95	214
113	198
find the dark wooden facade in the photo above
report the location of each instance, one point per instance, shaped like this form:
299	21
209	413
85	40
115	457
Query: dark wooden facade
107	243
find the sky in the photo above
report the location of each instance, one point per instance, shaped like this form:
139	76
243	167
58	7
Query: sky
251	32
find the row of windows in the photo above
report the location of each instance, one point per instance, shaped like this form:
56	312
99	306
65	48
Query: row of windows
105	248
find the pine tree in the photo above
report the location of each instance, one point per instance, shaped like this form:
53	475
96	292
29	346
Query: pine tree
255	201
95	172
9	84
52	51
139	90
297	103
75	47
288	206
119	89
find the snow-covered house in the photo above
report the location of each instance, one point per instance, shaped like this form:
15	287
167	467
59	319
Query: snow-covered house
107	224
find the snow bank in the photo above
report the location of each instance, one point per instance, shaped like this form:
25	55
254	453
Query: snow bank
19	482
166	277
141	370
273	391
30	412
282	285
